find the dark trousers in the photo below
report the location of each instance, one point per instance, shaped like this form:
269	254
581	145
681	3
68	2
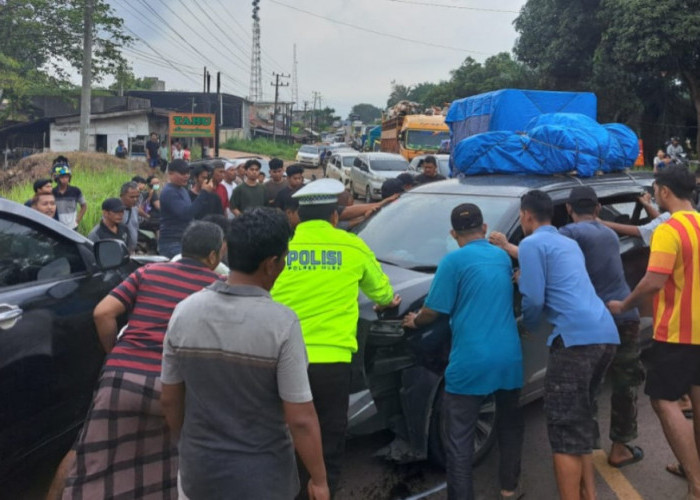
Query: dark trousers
626	372
330	387
461	413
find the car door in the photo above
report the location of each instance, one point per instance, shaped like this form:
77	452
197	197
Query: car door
49	354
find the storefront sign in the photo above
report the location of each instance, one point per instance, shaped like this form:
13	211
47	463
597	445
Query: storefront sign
191	125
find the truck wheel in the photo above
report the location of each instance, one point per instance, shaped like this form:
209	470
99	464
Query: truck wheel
368	194
484	437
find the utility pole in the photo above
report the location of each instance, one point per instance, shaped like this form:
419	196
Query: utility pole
295	81
277	86
306	121
217	115
85	93
314	117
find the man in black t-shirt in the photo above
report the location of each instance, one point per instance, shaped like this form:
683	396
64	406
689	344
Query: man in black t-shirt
430	173
295	180
152	155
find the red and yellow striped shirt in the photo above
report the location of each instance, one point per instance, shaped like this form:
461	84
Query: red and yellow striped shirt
675	251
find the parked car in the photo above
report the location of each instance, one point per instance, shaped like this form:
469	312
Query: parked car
309	155
403	369
339	166
443	164
51	278
370	170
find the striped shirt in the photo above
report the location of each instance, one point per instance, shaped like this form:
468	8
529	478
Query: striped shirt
675	251
150	295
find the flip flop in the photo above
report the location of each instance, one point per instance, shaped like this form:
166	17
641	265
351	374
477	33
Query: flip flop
676	469
637	455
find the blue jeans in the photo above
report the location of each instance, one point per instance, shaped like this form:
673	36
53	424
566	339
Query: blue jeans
461	413
169	249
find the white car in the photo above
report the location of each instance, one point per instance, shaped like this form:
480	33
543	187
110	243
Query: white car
339	166
370	170
309	155
443	164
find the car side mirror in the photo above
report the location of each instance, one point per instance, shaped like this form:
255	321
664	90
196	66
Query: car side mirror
111	254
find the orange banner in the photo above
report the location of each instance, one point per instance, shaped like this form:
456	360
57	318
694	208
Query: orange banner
191	125
640	159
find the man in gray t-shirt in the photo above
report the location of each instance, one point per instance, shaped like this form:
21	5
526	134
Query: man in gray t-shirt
235	383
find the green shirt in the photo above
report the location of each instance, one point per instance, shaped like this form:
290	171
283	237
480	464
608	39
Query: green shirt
245	197
325	267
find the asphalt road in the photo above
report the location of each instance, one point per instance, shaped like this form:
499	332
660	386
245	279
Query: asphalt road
369	478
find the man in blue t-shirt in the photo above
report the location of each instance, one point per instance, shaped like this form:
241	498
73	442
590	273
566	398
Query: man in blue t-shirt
554	282
600	247
473	285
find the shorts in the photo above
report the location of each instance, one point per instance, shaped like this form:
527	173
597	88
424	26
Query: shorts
574	375
153	162
673	368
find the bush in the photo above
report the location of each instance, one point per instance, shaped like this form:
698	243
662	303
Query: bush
265	147
98	176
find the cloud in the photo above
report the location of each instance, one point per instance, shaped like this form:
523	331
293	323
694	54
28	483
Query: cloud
346	65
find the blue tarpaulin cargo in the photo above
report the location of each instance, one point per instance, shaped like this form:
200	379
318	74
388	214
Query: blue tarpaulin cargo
551	143
512	109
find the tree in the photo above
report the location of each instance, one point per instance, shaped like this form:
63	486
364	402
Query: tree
48	35
399	92
658	38
126	80
366	112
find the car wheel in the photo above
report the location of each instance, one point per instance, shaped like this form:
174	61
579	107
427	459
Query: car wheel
368	194
484	436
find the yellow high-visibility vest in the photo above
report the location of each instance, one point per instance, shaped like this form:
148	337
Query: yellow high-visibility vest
325	267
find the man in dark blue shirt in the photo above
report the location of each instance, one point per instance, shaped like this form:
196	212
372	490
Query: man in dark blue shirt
177	210
554	282
600	247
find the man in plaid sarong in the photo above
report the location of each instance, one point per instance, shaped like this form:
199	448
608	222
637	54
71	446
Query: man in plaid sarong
125	449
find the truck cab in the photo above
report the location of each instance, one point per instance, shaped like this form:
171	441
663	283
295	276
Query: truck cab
413	135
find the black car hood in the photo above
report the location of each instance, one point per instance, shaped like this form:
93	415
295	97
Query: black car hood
411	285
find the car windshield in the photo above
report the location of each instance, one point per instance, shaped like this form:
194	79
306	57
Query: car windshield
392	165
348	160
425	139
414	231
308	149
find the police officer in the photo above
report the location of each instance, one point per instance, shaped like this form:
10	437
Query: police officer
325	267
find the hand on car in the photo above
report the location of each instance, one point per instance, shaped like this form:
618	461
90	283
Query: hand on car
409	320
615	306
394	302
645	199
498	239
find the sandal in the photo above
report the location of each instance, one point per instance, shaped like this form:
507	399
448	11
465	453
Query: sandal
676	469
637	455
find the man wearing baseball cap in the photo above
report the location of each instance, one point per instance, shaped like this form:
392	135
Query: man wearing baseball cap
110	226
473	286
325	269
177	209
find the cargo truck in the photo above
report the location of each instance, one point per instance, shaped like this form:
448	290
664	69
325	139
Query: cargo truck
413	135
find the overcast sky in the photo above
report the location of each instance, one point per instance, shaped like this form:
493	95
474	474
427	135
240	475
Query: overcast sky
345	64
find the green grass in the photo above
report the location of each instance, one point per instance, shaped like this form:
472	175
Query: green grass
97	178
265	147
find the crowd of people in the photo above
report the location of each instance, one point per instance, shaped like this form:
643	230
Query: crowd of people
281	322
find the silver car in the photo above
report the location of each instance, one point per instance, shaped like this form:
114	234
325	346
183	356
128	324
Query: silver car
339	166
370	170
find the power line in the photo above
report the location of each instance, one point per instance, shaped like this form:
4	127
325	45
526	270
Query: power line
447	6
387	35
229	37
167	61
185	47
